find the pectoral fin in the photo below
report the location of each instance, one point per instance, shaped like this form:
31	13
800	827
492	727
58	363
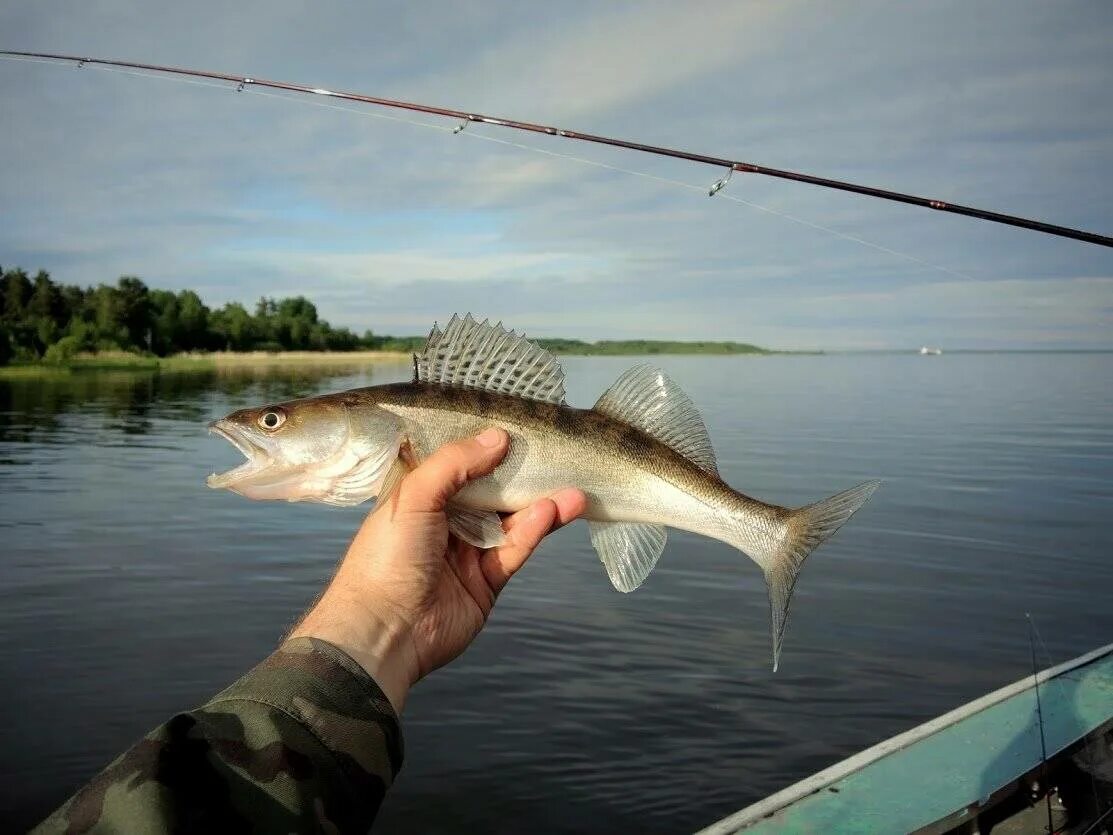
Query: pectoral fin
481	528
398	470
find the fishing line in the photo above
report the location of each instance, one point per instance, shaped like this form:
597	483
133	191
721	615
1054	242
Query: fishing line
1039	715
645	175
1067	700
196	82
467	118
731	197
221	85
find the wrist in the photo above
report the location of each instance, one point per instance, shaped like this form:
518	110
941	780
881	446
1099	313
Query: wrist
380	644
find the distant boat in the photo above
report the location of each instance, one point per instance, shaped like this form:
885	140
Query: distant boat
970	770
928	351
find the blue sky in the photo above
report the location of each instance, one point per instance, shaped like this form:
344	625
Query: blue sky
388	226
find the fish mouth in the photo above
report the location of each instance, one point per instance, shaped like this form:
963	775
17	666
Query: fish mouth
256	454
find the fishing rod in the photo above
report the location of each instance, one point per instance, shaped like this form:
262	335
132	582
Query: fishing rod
242	82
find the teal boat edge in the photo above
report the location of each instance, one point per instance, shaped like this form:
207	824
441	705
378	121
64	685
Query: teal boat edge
948	768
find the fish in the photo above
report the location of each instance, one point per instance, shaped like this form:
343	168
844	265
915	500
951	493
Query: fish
641	455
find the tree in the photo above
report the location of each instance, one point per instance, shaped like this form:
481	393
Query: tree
5	345
104	314
233	328
134	308
299	308
45	301
165	322
41	318
16	292
193	321
73	300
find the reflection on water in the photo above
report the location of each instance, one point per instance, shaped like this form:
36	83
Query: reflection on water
129	590
130	402
34	408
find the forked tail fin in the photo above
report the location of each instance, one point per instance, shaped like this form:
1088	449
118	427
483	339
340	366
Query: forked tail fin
807	528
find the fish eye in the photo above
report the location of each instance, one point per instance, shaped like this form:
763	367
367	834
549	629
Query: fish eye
272	419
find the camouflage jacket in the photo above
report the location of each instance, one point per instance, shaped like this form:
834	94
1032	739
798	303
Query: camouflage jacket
305	742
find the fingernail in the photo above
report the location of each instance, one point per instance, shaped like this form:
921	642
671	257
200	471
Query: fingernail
489	437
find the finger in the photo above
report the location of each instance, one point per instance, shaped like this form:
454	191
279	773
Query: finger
444	473
571	504
524	530
463	559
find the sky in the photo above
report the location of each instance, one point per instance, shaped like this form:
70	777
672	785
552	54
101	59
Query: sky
389	225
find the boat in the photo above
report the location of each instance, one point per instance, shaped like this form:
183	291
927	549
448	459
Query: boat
928	351
1034	753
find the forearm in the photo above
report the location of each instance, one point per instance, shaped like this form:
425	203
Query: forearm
304	742
365	629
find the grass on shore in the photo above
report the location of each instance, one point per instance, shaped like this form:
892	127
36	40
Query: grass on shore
242	359
127	361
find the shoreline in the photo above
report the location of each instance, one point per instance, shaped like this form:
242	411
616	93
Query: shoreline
256	358
230	360
126	361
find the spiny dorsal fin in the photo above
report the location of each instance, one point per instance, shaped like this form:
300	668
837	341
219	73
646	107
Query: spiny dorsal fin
479	355
646	398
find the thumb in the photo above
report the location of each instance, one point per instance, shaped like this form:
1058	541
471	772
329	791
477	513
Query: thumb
444	473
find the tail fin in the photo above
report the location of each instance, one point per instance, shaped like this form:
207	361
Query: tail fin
807	528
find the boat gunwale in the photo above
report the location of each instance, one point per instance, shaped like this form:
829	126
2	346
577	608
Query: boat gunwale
774	803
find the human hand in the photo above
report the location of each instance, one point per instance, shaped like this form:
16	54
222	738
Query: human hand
409	596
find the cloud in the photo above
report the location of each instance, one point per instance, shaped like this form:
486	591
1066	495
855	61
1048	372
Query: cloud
379	270
390	225
614	56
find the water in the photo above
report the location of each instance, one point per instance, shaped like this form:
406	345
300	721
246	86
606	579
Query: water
129	591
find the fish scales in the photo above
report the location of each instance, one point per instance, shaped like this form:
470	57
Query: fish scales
558	446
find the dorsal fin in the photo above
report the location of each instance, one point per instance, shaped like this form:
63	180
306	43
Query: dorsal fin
479	355
646	398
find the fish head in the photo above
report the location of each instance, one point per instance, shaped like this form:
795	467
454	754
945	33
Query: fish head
319	449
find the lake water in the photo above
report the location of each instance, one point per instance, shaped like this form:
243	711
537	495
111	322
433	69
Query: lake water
128	590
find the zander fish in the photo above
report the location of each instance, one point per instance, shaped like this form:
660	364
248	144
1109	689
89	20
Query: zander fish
641	455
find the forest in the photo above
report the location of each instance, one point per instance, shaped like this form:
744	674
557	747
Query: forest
41	319
44	321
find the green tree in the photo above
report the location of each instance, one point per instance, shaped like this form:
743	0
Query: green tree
106	318
16	292
42	318
233	328
73	300
45	301
134	308
5	345
193	320
165	322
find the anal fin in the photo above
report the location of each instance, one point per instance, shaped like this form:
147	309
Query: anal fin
628	550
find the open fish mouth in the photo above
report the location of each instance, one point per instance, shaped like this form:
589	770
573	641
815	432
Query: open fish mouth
257	457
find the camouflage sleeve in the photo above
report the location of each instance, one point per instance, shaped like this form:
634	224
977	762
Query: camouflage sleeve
305	742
